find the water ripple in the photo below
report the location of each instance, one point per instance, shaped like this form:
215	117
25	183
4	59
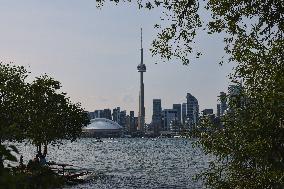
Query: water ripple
130	163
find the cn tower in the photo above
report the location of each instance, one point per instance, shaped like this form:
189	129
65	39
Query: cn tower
141	114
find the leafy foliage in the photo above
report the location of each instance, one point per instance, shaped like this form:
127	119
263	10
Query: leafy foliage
52	116
34	111
12	101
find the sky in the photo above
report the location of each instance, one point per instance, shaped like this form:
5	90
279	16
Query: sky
94	53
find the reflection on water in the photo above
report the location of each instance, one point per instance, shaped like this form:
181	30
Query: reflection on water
130	163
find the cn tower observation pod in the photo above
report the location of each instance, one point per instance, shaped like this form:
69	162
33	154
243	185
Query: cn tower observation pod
102	127
141	68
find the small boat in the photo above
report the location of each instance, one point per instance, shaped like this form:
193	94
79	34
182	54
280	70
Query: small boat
176	136
77	178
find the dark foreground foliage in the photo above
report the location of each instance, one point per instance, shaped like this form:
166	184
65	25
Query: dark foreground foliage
40	178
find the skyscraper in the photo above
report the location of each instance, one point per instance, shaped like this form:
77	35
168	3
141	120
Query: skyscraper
99	113
107	114
132	122
116	114
141	114
122	119
192	109
157	115
183	112
168	116
177	107
223	103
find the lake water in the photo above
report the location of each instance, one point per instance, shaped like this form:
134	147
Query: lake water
130	163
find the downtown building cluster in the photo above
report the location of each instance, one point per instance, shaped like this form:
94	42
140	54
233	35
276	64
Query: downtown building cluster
181	117
184	117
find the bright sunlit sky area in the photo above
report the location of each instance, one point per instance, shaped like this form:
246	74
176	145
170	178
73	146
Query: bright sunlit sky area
94	54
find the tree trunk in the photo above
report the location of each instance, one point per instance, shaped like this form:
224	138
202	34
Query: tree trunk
38	148
1	159
45	149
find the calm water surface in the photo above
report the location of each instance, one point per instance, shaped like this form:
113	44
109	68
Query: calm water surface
130	163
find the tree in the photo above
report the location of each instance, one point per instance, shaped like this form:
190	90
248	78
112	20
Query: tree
12	101
52	116
250	148
34	111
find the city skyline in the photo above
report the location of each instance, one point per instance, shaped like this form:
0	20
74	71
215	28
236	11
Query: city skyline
94	54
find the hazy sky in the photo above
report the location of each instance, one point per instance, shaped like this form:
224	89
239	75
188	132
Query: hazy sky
94	53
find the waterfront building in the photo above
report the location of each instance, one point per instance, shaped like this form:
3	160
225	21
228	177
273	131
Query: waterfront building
141	114
102	127
122	119
116	114
128	125
177	107
192	110
107	114
168	116
132	127
157	116
183	112
98	113
135	124
223	103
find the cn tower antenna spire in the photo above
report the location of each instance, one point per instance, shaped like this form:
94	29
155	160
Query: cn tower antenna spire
141	39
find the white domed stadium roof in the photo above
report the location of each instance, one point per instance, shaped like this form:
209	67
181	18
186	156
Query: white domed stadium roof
102	124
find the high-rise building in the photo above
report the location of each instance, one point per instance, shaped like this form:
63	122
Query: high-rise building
135	123
98	114
116	115
157	115
168	116
192	110
177	107
132	122
107	114
141	114
128	125
183	112
122	120
223	103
